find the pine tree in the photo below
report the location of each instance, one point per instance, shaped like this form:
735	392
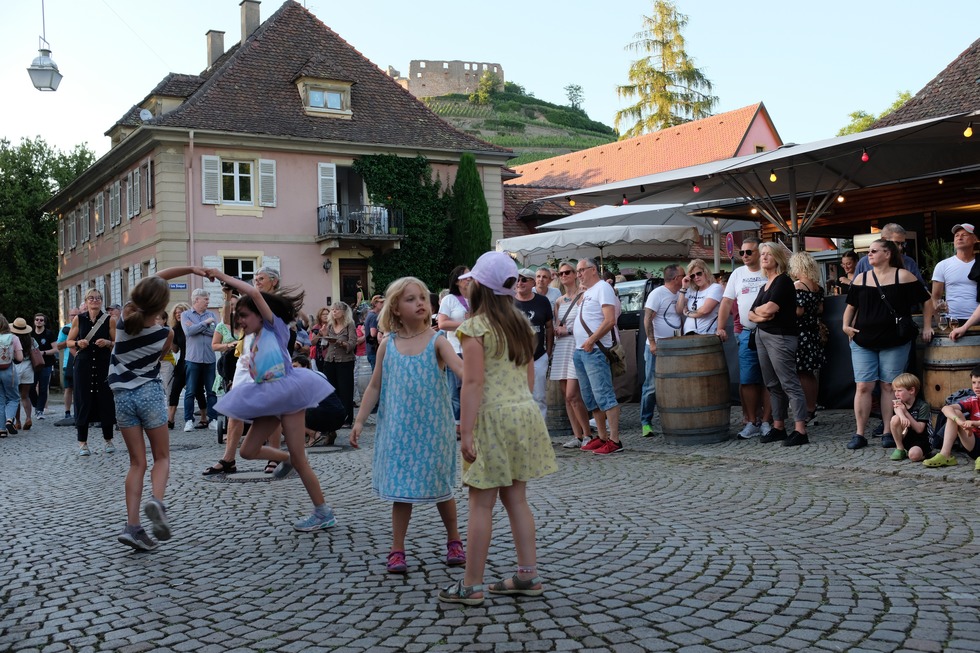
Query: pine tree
470	230
668	89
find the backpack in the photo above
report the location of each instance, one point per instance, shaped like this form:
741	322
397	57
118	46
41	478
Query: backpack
6	350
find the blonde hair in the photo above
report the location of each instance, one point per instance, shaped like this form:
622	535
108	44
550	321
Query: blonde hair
695	264
92	291
388	320
514	333
907	381
183	306
779	252
348	316
803	265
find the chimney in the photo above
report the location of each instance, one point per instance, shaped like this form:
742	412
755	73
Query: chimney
250	18
216	45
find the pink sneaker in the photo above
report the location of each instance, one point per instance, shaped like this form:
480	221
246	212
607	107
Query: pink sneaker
594	444
455	554
608	448
396	563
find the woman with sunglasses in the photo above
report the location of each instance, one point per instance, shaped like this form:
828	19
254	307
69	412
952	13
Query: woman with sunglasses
879	353
698	299
562	366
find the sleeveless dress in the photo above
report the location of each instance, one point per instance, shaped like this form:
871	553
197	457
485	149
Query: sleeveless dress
297	390
562	366
511	439
809	352
415	446
93	398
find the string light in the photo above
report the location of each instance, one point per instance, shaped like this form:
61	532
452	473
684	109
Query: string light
571	202
754	211
695	187
968	132
625	201
940	181
864	156
772	175
840	199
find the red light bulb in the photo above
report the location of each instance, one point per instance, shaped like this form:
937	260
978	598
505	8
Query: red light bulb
864	156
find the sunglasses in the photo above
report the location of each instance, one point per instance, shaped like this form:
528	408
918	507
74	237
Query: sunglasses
746	252
697	274
565	273
523	279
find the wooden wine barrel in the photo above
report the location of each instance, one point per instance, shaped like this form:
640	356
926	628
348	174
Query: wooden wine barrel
557	418
693	396
946	366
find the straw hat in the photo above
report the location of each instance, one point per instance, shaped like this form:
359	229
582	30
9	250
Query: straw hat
20	326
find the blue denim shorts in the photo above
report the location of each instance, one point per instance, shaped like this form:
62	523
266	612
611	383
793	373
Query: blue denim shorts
749	372
144	406
595	379
870	366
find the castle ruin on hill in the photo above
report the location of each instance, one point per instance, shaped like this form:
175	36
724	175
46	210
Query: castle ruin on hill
432	78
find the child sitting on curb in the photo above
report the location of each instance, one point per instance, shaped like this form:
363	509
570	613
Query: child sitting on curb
911	423
963	422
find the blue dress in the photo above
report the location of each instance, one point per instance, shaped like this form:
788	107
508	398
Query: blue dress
415	446
298	389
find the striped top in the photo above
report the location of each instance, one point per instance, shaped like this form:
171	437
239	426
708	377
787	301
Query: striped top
136	359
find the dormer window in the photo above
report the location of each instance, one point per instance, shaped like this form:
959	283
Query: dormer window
323	97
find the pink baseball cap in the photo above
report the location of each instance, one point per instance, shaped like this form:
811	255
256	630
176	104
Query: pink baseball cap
966	226
495	270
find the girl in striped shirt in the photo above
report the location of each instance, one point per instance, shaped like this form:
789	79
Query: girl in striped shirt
141	405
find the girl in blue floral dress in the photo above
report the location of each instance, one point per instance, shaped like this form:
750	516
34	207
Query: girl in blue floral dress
415	445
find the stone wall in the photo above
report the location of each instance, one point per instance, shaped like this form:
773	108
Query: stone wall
434	78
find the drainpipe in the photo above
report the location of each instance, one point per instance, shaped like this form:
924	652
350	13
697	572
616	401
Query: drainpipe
189	194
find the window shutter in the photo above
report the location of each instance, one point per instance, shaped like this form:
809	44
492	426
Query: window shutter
100	285
99	213
72	298
217	298
61	236
149	184
130	279
210	179
267	182
152	266
271	262
116	290
136	192
115	212
327	183
137	273
85	217
129	195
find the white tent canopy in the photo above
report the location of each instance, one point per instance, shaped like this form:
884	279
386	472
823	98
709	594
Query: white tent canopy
630	241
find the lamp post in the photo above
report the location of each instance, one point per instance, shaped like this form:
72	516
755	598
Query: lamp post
43	70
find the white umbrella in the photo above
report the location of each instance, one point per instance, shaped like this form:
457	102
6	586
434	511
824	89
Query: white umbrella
656	214
630	241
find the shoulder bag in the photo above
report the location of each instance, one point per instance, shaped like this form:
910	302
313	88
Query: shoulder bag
37	358
907	330
616	355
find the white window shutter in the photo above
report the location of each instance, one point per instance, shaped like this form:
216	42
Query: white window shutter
99	213
100	285
137	273
152	266
129	195
210	179
72	298
116	290
85	217
271	262
149	184
130	279
267	182
327	183
115	212
136	192
217	298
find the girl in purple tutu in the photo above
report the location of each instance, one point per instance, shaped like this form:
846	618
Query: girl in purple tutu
280	394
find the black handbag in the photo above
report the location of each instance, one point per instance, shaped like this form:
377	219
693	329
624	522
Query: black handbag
907	329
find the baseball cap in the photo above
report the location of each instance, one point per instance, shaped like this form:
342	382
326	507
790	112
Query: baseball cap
966	226
495	270
527	273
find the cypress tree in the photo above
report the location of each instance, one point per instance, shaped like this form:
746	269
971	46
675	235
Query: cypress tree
470	230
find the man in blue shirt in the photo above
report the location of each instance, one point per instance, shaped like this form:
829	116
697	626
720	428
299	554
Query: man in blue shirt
199	325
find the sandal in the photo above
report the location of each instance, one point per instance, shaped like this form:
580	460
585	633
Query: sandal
518	587
317	439
3	434
11	429
270	466
460	593
28	424
221	467
396	563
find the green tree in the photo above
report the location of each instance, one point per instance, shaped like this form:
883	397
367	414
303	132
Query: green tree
862	120
408	185
470	218
667	88
575	96
30	173
487	86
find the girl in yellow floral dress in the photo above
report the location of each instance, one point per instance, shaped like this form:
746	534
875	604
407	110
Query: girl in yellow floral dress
504	439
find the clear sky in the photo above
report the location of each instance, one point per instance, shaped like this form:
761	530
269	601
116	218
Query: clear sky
811	63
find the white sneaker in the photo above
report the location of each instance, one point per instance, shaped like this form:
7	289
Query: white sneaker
213	425
750	431
573	443
585	441
765	428
188	426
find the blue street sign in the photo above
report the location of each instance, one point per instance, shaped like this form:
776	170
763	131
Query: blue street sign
178	286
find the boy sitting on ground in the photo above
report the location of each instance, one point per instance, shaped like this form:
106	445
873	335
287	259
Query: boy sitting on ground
912	420
963	422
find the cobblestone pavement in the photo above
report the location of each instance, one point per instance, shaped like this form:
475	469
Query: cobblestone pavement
726	547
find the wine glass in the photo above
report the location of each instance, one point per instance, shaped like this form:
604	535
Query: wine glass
942	323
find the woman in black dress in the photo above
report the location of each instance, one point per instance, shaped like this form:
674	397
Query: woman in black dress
92	335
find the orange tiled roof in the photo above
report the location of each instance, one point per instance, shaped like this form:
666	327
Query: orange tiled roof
699	141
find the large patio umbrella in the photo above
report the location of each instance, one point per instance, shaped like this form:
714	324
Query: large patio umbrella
630	241
656	215
816	172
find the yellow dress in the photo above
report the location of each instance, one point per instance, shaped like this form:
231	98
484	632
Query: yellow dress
511	439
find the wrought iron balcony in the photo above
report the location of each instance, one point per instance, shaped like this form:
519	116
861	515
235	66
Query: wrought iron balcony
367	222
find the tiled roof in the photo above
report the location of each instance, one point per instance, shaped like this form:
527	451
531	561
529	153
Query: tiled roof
524	209
251	89
699	141
954	90
177	85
